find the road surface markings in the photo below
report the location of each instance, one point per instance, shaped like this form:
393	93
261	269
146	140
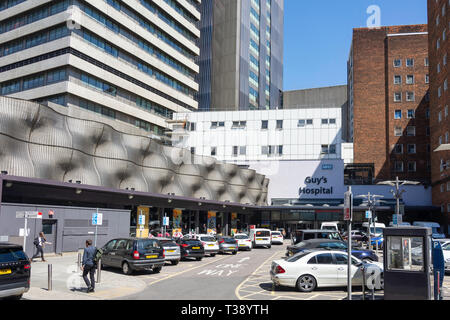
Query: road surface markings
253	275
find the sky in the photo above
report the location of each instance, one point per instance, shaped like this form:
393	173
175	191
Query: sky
318	34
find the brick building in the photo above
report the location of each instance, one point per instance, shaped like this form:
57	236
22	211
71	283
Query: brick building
438	24
388	83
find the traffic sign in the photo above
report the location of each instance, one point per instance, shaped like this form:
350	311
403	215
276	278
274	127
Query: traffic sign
347	206
368	214
141	219
397	219
97	219
29	214
166	221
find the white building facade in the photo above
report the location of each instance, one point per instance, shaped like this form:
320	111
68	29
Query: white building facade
131	60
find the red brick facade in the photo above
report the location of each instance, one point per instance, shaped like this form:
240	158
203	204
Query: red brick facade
374	81
438	22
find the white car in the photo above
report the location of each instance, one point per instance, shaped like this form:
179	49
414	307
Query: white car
209	243
446	251
277	237
244	241
309	270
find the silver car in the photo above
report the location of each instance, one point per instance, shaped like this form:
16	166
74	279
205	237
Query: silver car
227	244
171	250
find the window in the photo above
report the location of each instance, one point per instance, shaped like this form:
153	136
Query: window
328	149
213	125
427	78
410	96
397	79
239	125
280	150
427	62
264	124
410	79
301	123
192	150
324	258
439	116
213	151
324	121
446	111
397	63
398	149
235	151
398	114
411	131
309	121
243	150
279	124
192	126
264	150
411	148
410	62
411	114
332	121
398	166
398	132
397	96
405	253
221	124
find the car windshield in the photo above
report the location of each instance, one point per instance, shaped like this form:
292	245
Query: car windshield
276	233
240	237
208	239
263	233
446	247
145	244
192	242
329	235
167	243
229	240
329	228
11	254
376	230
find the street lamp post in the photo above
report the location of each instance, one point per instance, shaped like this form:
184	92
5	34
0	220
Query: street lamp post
397	193
371	203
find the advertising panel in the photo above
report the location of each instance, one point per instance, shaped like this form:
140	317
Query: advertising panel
212	222
142	222
177	220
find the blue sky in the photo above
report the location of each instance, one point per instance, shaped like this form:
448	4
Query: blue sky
318	33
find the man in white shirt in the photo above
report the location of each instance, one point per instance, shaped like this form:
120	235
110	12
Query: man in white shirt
39	243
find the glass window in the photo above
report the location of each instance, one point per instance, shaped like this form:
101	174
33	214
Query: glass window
264	124
398	114
110	245
342	259
324	258
301	123
313	260
279	124
146	244
405	253
11	255
121	244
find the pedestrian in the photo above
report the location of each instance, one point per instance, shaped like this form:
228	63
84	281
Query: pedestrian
40	242
88	265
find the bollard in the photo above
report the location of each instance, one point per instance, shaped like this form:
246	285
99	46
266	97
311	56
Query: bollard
373	285
99	271
79	261
49	277
364	283
376	242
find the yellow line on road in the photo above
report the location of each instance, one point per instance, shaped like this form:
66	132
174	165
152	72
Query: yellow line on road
236	292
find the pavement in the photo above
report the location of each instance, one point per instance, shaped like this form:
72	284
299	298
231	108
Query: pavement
68	283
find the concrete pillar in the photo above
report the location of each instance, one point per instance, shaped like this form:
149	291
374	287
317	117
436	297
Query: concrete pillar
197	221
226	223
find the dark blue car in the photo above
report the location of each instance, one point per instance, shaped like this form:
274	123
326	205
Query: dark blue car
327	244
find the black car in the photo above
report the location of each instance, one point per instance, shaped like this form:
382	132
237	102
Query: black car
132	254
191	248
326	244
15	271
302	235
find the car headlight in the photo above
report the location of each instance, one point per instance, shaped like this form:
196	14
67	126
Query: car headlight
448	260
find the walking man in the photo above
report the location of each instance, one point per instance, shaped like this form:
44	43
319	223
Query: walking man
39	242
88	265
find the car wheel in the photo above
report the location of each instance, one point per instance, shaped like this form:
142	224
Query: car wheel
234	252
306	283
126	268
249	249
157	269
175	262
14	297
213	254
270	246
198	259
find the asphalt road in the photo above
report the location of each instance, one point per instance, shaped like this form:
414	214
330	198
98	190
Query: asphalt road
213	278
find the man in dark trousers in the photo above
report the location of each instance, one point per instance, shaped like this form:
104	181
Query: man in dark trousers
39	242
88	265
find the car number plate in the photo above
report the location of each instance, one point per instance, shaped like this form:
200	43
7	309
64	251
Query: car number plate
152	256
210	245
5	271
170	250
242	245
195	248
260	239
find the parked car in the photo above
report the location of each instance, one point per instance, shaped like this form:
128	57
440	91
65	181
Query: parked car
260	238
325	244
302	235
446	251
209	243
375	240
277	237
227	244
329	226
172	251
133	254
15	271
191	248
309	270
244	242
357	235
376	229
436	232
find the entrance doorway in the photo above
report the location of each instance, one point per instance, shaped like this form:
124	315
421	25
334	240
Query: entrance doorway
49	230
